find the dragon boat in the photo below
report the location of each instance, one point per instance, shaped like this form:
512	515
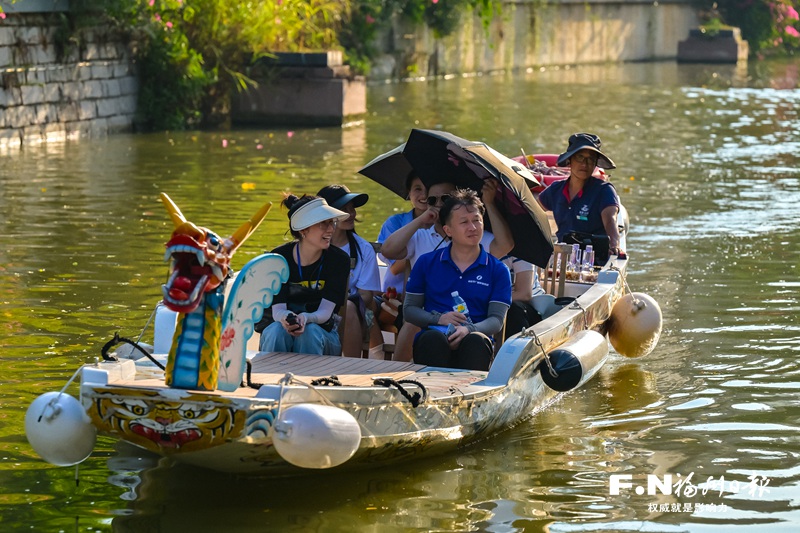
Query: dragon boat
198	395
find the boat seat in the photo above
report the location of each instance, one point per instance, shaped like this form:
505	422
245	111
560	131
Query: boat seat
555	275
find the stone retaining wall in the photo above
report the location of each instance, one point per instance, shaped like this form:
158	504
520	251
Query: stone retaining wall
530	34
51	95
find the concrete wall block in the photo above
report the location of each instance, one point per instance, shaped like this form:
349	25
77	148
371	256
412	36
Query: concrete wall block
91	52
87	110
6	35
129	85
44	55
55	133
10	138
98	128
127	104
107	107
69	112
32	94
120	123
10	97
58	74
24	116
36	76
71	91
122	69
6	57
102	71
78	128
32	134
111	88
30	35
92	89
21	55
83	71
109	51
52	92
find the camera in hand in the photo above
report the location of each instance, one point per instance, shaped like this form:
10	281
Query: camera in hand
291	319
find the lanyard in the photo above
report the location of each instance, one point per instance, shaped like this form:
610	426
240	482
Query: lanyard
300	268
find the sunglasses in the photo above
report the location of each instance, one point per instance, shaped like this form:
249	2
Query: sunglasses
434	200
581	160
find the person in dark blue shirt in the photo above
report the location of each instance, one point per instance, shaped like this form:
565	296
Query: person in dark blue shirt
463	266
583	203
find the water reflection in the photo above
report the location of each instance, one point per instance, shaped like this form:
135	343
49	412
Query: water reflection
708	170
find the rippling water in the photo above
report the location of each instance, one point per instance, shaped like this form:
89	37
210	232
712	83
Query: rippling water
708	170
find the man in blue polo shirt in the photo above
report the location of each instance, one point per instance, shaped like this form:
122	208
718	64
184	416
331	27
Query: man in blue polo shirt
479	278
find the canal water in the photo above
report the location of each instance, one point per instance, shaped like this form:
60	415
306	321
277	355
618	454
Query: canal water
708	169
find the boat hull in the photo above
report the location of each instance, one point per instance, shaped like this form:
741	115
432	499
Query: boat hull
232	432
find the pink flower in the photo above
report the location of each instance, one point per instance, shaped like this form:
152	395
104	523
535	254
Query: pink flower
157	17
2	16
227	338
792	31
224	143
435	1
168	25
151	2
290	134
259	147
792	13
369	19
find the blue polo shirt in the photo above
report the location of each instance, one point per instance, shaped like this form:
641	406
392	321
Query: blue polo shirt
583	212
436	276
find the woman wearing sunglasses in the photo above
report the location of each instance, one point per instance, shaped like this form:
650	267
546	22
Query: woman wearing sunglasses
425	234
583	204
450	338
303	316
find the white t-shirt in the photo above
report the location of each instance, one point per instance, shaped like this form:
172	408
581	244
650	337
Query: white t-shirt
365	275
516	265
428	240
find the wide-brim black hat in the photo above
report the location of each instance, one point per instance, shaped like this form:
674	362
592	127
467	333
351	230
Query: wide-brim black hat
585	141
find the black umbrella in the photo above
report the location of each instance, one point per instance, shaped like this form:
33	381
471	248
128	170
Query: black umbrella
438	156
390	170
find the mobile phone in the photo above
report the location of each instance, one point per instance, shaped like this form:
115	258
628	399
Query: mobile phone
291	319
450	330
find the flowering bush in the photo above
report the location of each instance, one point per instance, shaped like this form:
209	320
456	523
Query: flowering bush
192	53
770	26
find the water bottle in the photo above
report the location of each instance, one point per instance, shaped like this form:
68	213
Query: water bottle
588	258
575	258
459	305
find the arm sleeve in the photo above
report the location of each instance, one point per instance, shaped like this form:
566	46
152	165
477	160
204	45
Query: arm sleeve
279	312
493	323
322	314
414	312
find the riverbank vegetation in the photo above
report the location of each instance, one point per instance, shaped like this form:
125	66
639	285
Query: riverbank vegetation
771	27
191	54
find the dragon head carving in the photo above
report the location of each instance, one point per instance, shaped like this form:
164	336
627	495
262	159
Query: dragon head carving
200	259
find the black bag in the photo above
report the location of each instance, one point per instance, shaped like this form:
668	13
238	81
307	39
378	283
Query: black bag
600	244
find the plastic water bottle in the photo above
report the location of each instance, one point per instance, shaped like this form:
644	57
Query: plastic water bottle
459	305
588	258
575	258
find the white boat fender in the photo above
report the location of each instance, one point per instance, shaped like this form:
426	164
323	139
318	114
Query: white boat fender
634	326
316	436
574	361
59	430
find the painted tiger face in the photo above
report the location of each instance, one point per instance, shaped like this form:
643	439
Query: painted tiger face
167	427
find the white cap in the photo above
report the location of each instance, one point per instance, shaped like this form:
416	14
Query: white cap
312	212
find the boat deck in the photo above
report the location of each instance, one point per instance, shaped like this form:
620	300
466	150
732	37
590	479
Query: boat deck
270	368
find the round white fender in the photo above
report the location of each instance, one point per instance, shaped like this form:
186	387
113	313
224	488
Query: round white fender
634	326
59	430
316	436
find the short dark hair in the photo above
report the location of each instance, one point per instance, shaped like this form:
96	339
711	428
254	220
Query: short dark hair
459	197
